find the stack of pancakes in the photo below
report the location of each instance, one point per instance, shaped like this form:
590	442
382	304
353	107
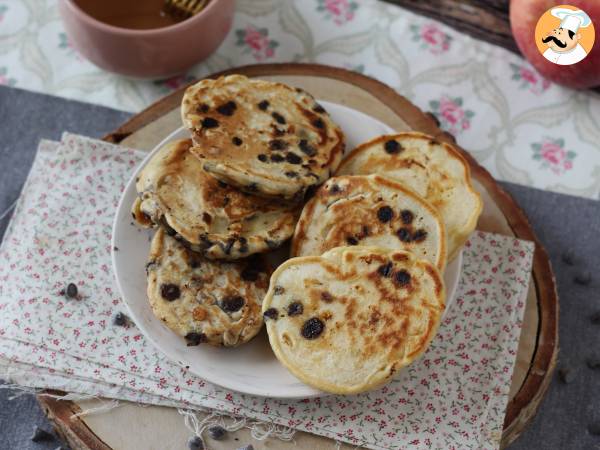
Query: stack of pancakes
362	294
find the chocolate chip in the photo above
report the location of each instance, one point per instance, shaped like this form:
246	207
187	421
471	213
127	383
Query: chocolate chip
271	313
194	262
406	216
334	189
227	246
385	214
236	141
263	105
306	148
250	274
217	432
278	144
402	277
566	375
594	428
326	297
292	158
262	158
71	290
203	108
351	240
209	122
291	174
227	109
392	147
278	290
295	309
568	257
222	184
206	217
312	328
278	118
595	318
276	157
593	363
40	435
194	339
404	234
318	108
318	123
420	235
195	443
385	270
278	132
120	319
170	292
583	278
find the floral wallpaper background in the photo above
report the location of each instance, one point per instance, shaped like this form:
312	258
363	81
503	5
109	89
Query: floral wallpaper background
520	126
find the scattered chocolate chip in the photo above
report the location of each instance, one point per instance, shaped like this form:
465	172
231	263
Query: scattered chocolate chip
170	292
71	290
227	109
406	216
40	435
351	240
203	108
583	278
306	148
326	297
318	108
278	118
115	248
402	277
271	313
217	432
566	375
249	274
312	328
385	214
246	447
568	257
232	303
594	428
291	174
420	235
195	443
593	363
194	339
209	122
227	246
392	147
252	187
295	309
385	270
120	319
262	158
278	290
263	105
318	123
404	234
194	262
206	217
236	141
276	157
222	184
595	318
292	158
278	144
278	132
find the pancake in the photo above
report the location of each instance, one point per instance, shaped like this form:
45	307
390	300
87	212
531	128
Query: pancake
262	137
203	300
434	170
208	216
346	321
369	210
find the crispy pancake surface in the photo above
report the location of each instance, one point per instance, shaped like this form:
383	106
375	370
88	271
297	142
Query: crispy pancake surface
346	321
369	210
434	170
209	216
204	300
263	137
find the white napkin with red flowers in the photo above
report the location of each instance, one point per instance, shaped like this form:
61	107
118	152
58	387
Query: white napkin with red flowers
453	397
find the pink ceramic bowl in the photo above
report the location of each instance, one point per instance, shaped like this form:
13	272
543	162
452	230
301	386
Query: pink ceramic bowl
153	53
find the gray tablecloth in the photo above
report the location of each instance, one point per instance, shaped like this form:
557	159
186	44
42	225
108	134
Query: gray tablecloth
562	223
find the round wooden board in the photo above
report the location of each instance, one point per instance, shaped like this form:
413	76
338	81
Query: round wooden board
132	426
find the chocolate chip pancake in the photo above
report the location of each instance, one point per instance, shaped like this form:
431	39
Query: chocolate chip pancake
202	300
370	210
262	137
207	215
434	170
346	321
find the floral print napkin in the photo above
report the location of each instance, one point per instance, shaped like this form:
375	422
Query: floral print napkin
453	397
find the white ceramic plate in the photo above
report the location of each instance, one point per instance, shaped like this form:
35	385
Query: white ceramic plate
251	368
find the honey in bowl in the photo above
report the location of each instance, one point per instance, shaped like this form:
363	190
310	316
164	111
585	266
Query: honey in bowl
131	14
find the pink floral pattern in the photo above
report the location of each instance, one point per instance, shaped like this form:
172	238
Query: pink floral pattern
339	11
529	79
3	9
5	79
431	38
552	155
173	83
256	41
451	114
65	44
451	398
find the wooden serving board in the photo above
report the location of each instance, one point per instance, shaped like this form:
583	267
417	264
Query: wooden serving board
133	427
